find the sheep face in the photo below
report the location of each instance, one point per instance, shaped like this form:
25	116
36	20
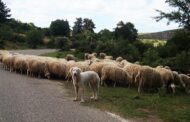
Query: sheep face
47	75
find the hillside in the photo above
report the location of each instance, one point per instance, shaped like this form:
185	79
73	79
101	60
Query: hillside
164	35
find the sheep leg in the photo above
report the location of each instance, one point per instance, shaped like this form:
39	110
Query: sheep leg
139	87
114	84
102	81
173	87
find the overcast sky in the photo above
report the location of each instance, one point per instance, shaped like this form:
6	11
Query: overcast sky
104	13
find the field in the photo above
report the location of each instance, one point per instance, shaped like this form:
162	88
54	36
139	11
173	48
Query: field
127	103
154	42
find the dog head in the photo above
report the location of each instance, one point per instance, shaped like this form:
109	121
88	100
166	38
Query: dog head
75	72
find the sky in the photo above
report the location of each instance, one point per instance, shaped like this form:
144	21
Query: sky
104	13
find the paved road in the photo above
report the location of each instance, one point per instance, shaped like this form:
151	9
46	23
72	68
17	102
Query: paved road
26	99
34	52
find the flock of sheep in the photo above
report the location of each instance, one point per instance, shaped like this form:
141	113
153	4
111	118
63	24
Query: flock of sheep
111	72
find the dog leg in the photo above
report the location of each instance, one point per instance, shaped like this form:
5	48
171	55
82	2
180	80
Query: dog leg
76	93
92	87
82	95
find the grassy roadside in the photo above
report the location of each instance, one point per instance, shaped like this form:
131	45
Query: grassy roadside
127	103
124	101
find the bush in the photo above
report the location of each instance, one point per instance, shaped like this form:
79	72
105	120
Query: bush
6	32
62	43
183	60
34	38
180	40
50	43
2	43
151	58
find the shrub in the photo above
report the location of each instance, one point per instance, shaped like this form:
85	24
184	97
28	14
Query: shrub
34	38
151	57
183	60
62	43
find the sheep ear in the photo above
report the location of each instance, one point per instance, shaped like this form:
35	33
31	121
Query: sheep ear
90	62
71	69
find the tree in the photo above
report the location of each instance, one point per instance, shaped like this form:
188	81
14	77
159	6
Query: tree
4	12
60	28
126	31
105	35
88	24
180	15
180	40
34	37
78	27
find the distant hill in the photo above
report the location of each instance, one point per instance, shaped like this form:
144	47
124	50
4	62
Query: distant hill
164	35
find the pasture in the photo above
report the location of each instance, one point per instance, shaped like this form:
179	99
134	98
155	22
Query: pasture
154	42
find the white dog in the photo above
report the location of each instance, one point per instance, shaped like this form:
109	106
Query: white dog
81	78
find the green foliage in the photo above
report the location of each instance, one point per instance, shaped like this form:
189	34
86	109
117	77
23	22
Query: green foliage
154	42
82	25
181	40
183	60
46	31
181	13
2	43
19	27
62	43
4	12
88	24
126	31
105	34
78	26
85	41
151	58
50	43
6	32
34	38
60	28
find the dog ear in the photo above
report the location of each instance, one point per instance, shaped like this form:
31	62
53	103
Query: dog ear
79	70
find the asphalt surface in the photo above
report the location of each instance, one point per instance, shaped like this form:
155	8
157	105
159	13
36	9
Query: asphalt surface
27	99
34	52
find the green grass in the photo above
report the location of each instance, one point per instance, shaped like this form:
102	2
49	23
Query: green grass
154	42
62	54
124	101
15	45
